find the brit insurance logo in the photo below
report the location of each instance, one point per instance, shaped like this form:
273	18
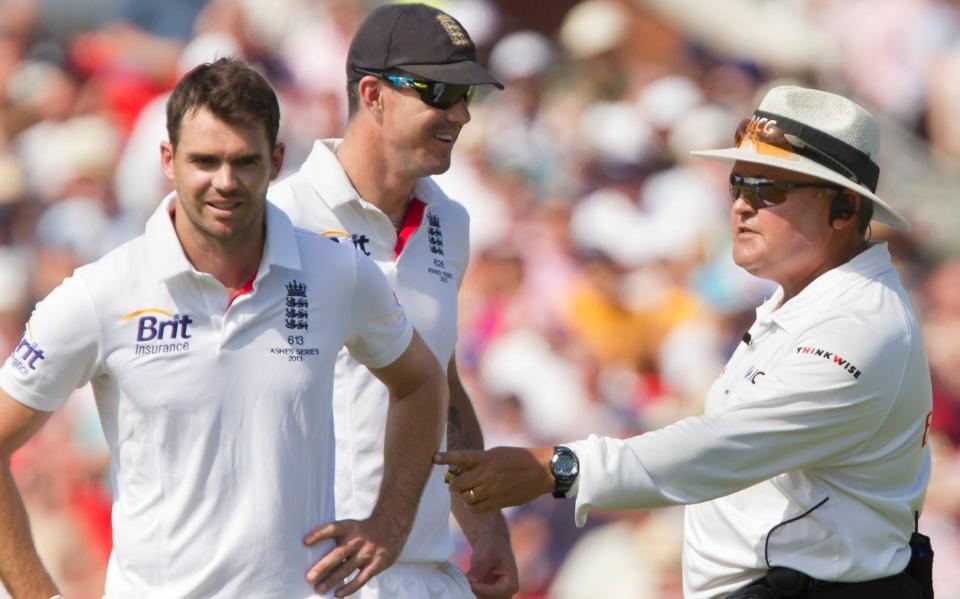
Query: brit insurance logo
359	240
160	332
297	313
28	354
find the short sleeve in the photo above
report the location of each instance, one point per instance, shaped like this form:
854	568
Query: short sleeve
58	352
379	331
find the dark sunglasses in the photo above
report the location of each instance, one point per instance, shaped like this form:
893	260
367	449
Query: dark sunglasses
433	93
763	193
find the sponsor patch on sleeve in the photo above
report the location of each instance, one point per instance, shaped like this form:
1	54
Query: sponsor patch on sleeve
27	356
831	356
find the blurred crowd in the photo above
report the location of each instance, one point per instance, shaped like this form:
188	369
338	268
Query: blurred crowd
601	296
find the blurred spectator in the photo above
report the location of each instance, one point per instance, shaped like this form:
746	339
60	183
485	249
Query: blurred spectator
636	555
941	332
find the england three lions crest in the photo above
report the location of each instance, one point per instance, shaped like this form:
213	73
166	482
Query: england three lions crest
296	311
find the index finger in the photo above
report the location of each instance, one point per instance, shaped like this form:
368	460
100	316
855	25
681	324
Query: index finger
465	459
330	530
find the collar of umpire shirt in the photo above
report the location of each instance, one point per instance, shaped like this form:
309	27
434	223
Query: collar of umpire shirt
824	291
168	260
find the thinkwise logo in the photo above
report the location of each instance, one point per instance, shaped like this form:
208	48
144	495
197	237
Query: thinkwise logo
827	355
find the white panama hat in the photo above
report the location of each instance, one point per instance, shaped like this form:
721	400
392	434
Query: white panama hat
827	136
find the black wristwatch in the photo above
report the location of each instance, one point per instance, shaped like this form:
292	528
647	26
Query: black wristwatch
564	466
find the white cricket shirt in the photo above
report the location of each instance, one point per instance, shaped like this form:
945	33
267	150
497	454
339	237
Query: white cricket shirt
829	400
217	414
424	264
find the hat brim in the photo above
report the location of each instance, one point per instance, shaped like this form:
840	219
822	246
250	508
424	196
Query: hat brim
465	72
882	211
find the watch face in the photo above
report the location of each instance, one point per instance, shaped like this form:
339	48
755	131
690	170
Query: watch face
565	465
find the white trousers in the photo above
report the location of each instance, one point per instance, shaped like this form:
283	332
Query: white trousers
433	580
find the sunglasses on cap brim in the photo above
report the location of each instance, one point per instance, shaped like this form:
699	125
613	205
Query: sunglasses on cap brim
433	93
778	137
764	193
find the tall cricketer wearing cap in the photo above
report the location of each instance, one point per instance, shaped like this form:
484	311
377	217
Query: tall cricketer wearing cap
210	343
412	71
806	470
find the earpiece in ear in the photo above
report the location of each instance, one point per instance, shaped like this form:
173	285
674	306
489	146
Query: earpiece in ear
840	208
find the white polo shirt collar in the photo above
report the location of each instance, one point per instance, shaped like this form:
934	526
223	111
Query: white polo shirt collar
169	260
323	171
802	308
327	176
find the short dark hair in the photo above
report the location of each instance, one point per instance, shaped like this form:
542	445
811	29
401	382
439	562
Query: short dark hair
230	89
353	98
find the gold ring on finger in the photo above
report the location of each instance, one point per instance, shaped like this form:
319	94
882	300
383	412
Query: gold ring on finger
472	494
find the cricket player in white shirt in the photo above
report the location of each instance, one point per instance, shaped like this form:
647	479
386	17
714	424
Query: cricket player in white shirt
210	342
412	71
805	474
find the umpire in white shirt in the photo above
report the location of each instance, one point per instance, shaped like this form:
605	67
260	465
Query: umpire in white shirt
807	470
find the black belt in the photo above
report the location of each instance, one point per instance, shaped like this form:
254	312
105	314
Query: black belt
897	586
915	582
785	583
